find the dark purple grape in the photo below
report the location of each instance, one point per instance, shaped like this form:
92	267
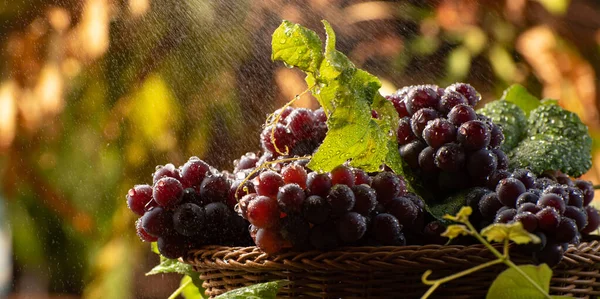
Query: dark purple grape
496	136
560	190
419	120
217	216
525	176
427	160
247	161
215	188
366	199
294	174
593	220
193	172
268	183
527	197
157	222
563	179
548	219
587	189
236	192
138	197
505	216
528	220
295	230
351	227
167	192
341	199
450	157
489	205
404	134
243	204
575	197
318	184
432	233
324	236
316	209
495	178
461	114
543	182
421	97
399	103
387	185
473	135
361	177
578	215
168	170
473	197
450	99
472	96
387	230
439	132
508	191
283	114
404	210
171	247
410	153
290	198
552	200
142	234
283	139
551	254
566	230
342	175
188	219
501	158
481	163
301	122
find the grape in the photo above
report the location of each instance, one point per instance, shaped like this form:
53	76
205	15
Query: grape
575	197
566	230
508	191
461	114
528	207
450	99
593	220
496	136
489	205
300	122
283	114
561	191
283	138
342	175
450	157
168	170
190	195
404	134
188	219
193	172
404	210
351	227
528	220
495	178
318	184
427	160
263	212
472	96
587	189
563	179
167	192
419	120
269	240
157	222
361	177
244	202
217	216
324	236
439	132
215	188
295	230
410	153
473	197
366	199
268	183
387	230
501	158
247	161
525	176
138	197
387	185
481	163
170	247
316	209
142	234
548	219
505	216
421	97
294	174
399	104
341	199
290	198
578	215
253	230
542	182
320	115
527	197
552	200
473	135
551	254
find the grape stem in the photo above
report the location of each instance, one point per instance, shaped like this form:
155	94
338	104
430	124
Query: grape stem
500	258
179	290
596	187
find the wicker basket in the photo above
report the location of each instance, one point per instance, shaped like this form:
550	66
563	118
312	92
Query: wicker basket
382	272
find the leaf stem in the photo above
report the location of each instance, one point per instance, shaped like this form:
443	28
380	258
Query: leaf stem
180	289
436	283
510	264
484	242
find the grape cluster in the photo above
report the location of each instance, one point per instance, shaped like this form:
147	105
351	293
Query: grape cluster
552	206
443	139
297	208
188	207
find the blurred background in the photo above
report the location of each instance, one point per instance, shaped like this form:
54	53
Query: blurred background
95	93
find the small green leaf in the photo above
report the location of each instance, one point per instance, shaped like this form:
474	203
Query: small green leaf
193	289
171	266
462	216
267	290
510	284
455	230
514	232
154	247
297	46
519	95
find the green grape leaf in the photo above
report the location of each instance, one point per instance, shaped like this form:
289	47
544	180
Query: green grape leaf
515	232
510	284
455	230
462	216
171	266
297	46
511	118
267	290
519	95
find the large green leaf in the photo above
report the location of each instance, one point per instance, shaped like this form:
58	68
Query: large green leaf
510	284
267	290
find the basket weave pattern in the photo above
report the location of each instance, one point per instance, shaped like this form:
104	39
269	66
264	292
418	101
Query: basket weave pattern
382	272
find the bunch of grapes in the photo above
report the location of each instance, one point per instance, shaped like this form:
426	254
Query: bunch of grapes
552	206
443	139
188	207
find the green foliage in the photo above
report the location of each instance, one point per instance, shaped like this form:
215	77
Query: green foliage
499	232
510	117
267	290
171	266
191	287
511	285
450	205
